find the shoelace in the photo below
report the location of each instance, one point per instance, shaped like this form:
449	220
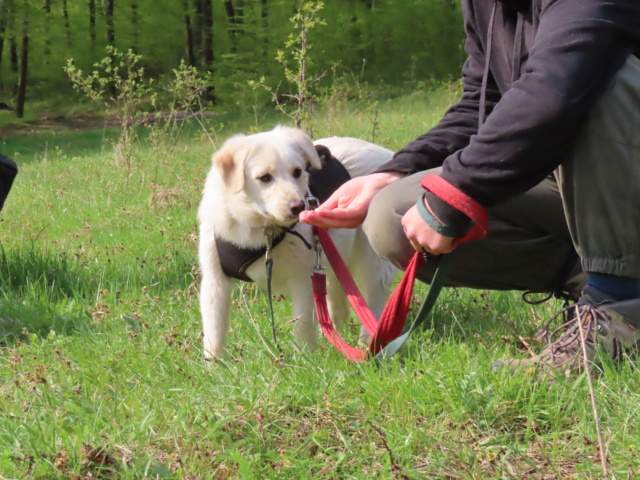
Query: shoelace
592	322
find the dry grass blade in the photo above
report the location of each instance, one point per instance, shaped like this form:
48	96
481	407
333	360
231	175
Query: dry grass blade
603	457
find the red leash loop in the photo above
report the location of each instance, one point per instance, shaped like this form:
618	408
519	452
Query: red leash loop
393	316
460	201
320	299
349	286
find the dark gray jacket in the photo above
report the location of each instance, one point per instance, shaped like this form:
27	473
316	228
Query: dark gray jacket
544	74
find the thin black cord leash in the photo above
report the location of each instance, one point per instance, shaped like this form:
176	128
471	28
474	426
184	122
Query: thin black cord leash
268	263
311	202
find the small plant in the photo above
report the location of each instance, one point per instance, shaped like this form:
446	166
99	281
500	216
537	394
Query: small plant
117	82
295	60
373	113
187	92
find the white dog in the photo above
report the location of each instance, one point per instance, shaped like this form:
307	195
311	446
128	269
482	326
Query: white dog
257	185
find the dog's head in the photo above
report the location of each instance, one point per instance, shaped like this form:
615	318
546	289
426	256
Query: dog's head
265	175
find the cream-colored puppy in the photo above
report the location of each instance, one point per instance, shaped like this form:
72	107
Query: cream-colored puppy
259	183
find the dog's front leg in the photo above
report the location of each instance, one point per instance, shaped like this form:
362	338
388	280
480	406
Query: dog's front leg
305	328
337	302
215	305
215	298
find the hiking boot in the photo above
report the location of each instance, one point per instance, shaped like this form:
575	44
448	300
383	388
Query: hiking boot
574	285
596	319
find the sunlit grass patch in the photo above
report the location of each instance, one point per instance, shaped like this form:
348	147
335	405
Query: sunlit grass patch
102	373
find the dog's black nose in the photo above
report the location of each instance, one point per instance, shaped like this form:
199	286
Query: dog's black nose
297	207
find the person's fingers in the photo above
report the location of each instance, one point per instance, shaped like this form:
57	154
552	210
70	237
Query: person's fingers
448	248
343	196
329	204
416	246
329	219
335	214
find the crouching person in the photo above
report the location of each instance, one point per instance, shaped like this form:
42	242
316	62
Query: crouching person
545	130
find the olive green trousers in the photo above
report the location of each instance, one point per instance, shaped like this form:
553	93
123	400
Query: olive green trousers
600	181
528	246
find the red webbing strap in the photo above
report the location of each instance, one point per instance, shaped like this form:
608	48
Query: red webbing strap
393	316
460	201
350	288
320	299
395	311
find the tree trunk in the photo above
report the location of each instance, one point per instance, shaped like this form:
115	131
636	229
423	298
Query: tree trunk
3	26
204	16
92	23
46	8
197	30
264	13
231	20
206	48
13	52
134	25
24	68
67	23
111	34
111	38
188	30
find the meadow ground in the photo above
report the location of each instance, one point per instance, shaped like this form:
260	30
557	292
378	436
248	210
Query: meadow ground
102	374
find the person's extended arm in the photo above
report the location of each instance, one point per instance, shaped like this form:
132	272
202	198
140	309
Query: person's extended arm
348	206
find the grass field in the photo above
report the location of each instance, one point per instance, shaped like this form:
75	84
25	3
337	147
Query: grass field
102	374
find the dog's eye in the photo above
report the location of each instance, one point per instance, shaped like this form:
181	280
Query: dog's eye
266	178
297	172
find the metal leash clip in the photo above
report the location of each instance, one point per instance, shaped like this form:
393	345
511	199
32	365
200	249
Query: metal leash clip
311	202
268	239
318	268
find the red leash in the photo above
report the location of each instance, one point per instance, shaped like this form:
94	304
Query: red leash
394	315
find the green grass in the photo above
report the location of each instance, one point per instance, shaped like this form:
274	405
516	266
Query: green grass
102	374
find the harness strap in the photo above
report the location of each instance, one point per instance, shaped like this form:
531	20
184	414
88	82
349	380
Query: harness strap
235	260
297	234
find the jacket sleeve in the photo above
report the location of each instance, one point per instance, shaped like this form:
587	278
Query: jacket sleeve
577	50
461	121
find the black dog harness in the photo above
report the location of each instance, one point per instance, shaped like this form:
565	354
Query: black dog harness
235	259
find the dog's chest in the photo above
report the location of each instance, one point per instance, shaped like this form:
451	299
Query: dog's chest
293	264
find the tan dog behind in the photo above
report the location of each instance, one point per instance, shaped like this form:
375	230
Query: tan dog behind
260	181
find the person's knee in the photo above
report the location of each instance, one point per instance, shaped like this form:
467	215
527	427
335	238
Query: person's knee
383	229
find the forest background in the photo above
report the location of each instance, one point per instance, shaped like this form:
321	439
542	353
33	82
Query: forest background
392	45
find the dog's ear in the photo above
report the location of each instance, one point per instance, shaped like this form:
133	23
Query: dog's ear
305	147
231	159
308	152
324	154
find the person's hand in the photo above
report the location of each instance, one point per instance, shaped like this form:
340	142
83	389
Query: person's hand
422	237
348	206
